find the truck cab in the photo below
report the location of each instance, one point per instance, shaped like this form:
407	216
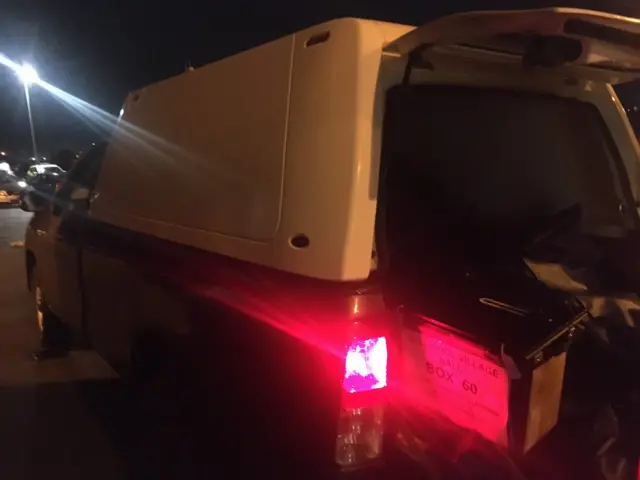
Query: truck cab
340	253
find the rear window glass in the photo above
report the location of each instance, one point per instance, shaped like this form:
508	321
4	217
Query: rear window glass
500	155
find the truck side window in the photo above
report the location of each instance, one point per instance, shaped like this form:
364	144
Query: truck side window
85	172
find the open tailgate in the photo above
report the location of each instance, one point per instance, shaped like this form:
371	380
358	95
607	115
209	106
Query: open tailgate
582	38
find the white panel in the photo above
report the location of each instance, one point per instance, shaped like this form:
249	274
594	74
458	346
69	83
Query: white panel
205	150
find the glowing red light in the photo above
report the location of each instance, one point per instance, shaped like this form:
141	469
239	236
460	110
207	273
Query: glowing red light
366	365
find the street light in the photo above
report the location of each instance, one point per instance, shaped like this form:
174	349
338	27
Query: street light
28	75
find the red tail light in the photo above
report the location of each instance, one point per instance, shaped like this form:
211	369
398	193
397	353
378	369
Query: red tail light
361	425
366	365
58	186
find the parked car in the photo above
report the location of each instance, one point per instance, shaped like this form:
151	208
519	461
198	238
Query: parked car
10	188
338	256
39	186
41	169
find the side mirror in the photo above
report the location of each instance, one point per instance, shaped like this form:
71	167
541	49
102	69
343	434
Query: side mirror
32	203
76	199
79	194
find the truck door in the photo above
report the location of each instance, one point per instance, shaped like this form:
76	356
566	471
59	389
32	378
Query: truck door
69	218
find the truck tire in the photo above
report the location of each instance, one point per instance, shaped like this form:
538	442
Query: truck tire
54	335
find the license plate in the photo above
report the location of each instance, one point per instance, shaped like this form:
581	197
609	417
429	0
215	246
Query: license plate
457	379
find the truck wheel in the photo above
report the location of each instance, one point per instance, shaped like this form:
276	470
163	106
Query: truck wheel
54	335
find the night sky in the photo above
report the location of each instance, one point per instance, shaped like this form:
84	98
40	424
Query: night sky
99	50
